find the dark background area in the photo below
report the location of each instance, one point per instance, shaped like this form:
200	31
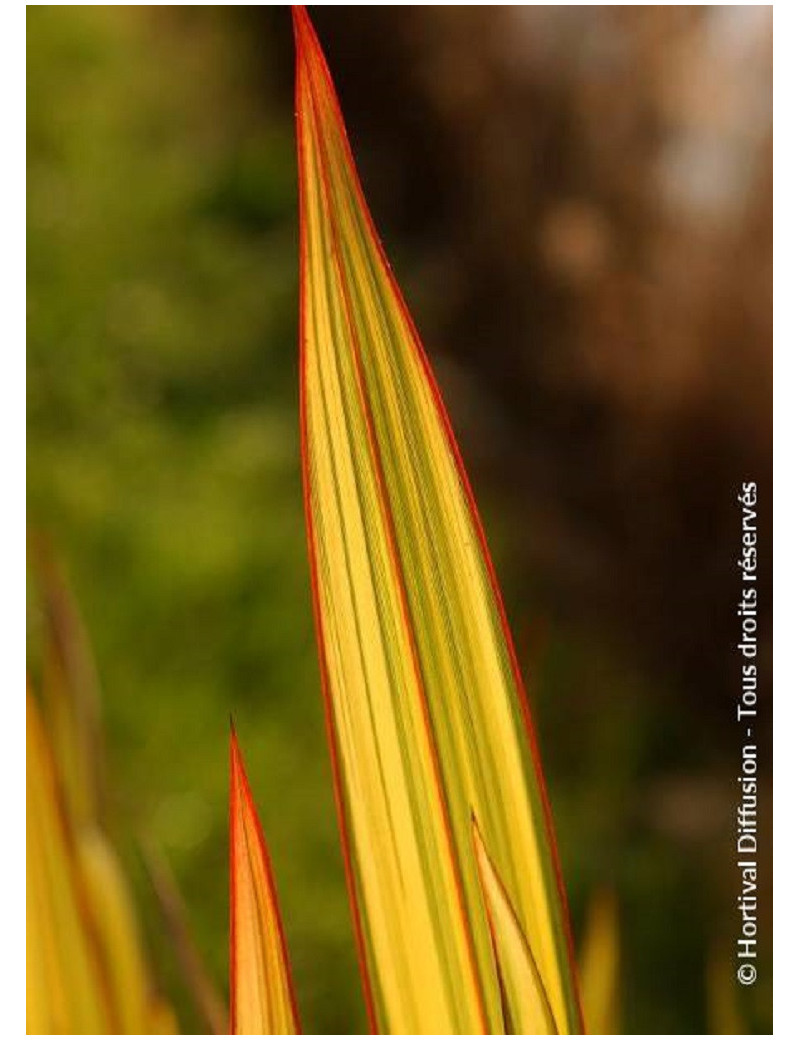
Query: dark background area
577	202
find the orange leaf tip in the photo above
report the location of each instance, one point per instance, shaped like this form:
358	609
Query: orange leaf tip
262	995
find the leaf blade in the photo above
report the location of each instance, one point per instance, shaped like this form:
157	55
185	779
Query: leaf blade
600	966
421	683
69	688
82	916
262	995
67	990
174	913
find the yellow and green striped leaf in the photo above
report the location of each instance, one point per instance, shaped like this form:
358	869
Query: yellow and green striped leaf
526	1008
426	712
262	998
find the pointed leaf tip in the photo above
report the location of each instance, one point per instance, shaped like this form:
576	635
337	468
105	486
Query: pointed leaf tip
304	33
262	995
526	1006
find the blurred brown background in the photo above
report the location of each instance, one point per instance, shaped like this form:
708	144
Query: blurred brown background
577	202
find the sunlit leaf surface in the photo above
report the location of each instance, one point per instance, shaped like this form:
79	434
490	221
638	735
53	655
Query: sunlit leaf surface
426	712
262	999
526	1008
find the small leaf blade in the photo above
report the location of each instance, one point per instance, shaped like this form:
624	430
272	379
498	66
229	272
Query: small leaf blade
175	916
725	1012
600	966
262	996
526	1008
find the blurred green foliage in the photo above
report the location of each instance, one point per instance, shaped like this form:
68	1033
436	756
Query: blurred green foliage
163	448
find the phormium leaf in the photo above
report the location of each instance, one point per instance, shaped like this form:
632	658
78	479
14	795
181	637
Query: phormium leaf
427	716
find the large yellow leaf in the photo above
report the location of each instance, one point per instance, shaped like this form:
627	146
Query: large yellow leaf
262	998
426	712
